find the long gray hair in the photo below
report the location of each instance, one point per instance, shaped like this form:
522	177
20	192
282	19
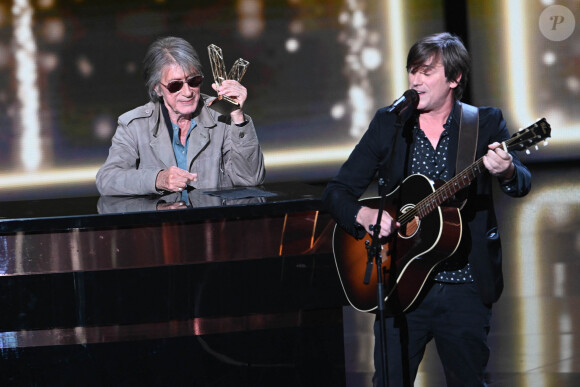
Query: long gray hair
164	52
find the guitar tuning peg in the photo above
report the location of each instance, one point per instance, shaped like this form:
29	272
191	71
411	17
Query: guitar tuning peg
527	151
545	142
536	147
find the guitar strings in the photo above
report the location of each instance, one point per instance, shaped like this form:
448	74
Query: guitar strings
447	190
463	179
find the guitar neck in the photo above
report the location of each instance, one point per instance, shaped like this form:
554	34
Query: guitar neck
521	140
450	188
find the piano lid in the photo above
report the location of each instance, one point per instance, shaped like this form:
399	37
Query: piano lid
126	211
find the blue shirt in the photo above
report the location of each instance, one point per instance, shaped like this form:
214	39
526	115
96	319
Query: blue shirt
180	151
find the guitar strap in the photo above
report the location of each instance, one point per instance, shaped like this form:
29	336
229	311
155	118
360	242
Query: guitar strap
467	145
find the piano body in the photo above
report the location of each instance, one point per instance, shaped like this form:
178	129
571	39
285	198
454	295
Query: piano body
221	292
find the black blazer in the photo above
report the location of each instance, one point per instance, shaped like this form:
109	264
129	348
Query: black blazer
381	153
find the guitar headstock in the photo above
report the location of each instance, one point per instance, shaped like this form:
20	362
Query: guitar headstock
533	134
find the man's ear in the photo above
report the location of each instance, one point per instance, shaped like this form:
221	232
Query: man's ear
453	84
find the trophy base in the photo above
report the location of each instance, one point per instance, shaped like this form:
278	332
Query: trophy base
223	105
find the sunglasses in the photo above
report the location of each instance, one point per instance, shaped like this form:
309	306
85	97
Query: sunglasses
175	86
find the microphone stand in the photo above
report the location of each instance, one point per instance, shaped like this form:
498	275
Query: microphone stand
374	255
404	107
404	111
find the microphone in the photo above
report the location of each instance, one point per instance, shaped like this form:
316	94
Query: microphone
408	99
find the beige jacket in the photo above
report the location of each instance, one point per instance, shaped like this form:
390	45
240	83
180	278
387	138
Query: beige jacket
222	154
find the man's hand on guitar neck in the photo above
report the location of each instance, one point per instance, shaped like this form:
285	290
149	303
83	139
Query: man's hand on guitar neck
499	162
367	217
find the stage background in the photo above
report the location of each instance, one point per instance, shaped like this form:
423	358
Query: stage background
318	72
319	69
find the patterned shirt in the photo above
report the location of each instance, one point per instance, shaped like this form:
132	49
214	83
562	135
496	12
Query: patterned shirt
432	163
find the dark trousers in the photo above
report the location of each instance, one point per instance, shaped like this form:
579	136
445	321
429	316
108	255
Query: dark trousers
451	314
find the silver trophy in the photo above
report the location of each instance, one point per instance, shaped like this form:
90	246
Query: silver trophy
224	104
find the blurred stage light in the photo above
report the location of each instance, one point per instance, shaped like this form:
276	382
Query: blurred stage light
292	45
28	127
521	25
532	321
251	18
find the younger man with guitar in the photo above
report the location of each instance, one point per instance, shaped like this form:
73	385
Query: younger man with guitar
441	265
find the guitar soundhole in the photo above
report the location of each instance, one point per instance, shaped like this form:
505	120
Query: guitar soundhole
410	228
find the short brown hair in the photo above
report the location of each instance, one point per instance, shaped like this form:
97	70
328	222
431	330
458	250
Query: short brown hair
453	54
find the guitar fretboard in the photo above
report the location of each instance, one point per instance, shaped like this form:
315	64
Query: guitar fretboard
444	193
450	188
519	141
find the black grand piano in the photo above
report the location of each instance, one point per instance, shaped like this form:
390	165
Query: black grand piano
217	288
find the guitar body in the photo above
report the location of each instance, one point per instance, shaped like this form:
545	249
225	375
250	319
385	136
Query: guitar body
407	259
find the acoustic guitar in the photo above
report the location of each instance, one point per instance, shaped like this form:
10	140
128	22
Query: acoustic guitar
430	232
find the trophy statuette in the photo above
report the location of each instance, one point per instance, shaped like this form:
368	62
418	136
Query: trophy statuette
224	104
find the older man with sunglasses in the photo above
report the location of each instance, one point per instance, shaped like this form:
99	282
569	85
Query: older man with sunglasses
175	142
